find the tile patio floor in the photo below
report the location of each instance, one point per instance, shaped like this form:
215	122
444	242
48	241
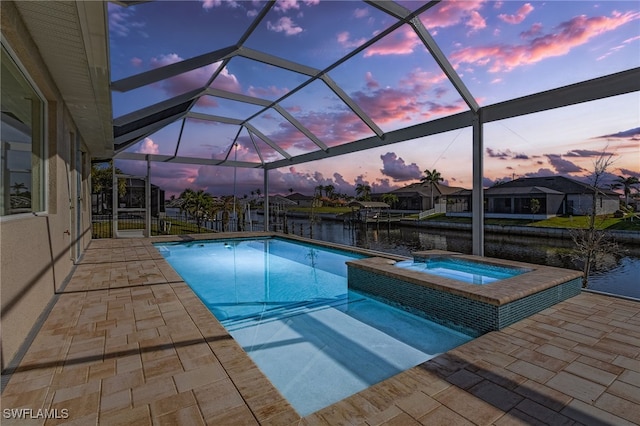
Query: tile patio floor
127	342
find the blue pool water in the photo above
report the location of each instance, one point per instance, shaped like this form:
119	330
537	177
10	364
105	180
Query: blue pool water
461	270
288	306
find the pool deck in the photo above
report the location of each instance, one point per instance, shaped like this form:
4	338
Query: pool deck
127	342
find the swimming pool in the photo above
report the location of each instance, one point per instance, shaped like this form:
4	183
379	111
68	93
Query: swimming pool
461	270
288	305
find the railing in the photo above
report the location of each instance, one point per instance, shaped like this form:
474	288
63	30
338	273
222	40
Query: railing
439	208
102	225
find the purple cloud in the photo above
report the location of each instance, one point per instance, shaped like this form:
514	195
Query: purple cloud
586	153
561	165
633	134
395	167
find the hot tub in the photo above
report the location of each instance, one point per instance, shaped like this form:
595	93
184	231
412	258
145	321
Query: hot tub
473	309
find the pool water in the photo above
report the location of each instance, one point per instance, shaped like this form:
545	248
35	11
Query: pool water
287	304
461	270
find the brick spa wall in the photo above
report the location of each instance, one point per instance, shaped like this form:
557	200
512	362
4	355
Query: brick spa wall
469	316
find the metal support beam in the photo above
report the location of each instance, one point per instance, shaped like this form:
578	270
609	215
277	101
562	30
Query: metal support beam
444	63
590	90
237	97
186	160
255	145
268	59
114	200
390	7
301	127
352	105
440	125
477	194
147	200
216	118
265	205
172	70
127	139
157	108
268	141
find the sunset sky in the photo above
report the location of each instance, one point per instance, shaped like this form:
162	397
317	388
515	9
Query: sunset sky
501	50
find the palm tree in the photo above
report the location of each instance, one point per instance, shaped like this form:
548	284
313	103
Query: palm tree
102	180
363	191
390	198
227	206
318	191
18	187
431	177
197	204
626	183
329	190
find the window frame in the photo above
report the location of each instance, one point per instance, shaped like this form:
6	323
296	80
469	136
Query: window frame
44	139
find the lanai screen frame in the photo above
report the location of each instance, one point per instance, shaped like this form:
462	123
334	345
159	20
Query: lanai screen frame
133	127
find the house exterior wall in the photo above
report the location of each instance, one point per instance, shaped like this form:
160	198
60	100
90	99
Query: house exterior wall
582	204
555	204
37	250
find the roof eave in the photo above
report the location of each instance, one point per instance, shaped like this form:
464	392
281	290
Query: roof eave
72	38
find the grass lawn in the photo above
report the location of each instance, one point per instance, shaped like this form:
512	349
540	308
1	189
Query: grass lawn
570	222
316	210
602	222
178	227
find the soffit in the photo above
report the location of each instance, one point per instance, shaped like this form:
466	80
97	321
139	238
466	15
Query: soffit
72	40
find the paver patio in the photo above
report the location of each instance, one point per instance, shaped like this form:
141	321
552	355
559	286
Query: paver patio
127	342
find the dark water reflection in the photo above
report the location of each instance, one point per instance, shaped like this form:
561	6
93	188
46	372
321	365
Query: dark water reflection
617	274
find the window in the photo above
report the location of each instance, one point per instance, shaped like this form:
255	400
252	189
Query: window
22	138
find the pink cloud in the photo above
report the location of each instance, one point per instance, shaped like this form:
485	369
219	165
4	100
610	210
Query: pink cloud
370	81
386	105
421	80
210	4
227	81
344	40
148	146
267	92
401	42
534	31
567	36
136	62
286	5
284	25
334	128
519	16
361	12
476	21
451	13
194	79
618	47
206	102
294	109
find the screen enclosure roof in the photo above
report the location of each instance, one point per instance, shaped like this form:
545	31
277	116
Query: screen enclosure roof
272	84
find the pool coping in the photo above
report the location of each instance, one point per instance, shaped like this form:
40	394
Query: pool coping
537	279
574	362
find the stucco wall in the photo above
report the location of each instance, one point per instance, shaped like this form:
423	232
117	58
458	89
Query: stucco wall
36	250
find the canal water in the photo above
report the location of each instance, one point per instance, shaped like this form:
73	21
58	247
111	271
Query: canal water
616	274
